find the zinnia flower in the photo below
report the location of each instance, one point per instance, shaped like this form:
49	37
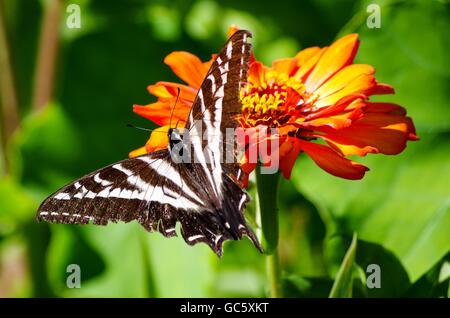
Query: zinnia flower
318	100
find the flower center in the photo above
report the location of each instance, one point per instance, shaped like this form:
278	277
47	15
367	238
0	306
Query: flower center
273	101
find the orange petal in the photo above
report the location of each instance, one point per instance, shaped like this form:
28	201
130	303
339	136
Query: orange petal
337	108
306	54
385	132
333	123
285	66
259	147
332	162
288	158
363	84
269	150
337	122
381	89
286	129
292	99
358	103
232	30
246	165
411	129
257	74
158	139
342	78
349	149
309	64
252	135
187	66
248	139
170	90
161	112
338	55
138	152
388	108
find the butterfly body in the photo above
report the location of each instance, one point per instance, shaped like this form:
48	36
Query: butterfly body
178	147
186	183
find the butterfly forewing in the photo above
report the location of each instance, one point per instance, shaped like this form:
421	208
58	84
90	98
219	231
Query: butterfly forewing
222	84
215	108
120	191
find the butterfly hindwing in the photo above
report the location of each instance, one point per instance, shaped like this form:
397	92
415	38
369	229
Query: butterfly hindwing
135	189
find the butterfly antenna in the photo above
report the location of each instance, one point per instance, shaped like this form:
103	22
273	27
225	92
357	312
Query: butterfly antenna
142	128
173	108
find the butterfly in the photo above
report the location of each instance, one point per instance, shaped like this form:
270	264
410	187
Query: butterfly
203	195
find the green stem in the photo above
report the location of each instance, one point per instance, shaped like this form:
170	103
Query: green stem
267	219
9	105
273	273
148	270
47	54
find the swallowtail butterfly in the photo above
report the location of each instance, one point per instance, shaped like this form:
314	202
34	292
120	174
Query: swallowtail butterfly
205	197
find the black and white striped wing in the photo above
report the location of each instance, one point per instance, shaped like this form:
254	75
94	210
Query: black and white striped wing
120	192
157	193
214	109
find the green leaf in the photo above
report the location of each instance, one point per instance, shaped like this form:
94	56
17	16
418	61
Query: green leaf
302	233
165	22
45	152
37	238
238	276
180	270
305	287
343	284
238	282
16	206
117	265
394	279
402	204
433	283
68	245
410	52
123	260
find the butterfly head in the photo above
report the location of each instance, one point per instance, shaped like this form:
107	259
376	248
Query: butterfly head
175	136
178	147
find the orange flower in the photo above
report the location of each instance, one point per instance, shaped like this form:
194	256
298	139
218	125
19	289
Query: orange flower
190	69
318	101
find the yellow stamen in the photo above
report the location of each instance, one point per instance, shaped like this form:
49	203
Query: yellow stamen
266	103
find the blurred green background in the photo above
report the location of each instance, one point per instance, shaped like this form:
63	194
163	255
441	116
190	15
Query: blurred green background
400	211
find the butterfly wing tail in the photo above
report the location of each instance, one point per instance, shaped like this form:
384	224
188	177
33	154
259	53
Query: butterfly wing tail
226	223
234	202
